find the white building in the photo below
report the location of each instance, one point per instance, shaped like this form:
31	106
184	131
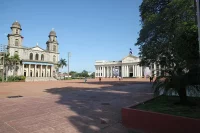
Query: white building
127	67
35	63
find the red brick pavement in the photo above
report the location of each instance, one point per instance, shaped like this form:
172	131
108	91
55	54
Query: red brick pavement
68	106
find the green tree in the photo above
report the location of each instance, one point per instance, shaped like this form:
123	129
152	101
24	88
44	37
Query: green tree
62	63
84	73
14	61
169	37
92	75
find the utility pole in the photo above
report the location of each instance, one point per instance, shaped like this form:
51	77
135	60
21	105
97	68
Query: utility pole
2	50
69	55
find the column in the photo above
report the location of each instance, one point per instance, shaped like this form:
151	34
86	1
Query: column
41	71
107	71
28	70
159	70
141	71
51	71
122	74
111	71
138	71
135	67
104	71
133	71
23	69
46	71
154	69
127	71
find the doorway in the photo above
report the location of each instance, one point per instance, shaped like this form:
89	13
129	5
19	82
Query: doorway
130	74
25	73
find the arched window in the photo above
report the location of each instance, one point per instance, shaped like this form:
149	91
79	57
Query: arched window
54	48
36	57
47	46
54	58
31	56
16	42
16	52
17	31
42	57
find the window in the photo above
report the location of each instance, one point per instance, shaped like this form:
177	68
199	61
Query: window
42	57
36	57
16	52
54	48
47	46
17	31
54	58
31	56
16	42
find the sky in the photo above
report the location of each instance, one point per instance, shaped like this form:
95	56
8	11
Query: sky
90	29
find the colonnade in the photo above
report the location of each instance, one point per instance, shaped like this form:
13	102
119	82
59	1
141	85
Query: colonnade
124	71
35	70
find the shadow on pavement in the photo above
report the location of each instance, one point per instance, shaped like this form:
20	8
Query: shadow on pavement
99	110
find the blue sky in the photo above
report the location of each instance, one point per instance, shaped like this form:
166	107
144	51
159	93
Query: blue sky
89	29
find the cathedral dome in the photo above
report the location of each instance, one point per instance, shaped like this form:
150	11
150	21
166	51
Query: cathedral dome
52	33
16	24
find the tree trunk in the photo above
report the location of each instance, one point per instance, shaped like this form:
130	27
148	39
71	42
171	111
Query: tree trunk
183	95
6	73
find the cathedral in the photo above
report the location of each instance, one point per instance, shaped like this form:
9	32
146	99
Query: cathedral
36	63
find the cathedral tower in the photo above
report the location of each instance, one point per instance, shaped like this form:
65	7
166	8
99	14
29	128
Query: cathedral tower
15	38
52	44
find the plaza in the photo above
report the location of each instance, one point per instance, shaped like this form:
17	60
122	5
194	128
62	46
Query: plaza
69	106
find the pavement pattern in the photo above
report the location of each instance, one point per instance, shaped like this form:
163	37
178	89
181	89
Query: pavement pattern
69	106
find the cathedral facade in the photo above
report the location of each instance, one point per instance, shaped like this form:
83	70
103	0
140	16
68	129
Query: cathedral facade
36	63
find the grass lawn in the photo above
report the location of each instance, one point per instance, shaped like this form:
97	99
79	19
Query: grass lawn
166	105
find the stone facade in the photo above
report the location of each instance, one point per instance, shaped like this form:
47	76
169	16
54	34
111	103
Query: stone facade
36	63
127	67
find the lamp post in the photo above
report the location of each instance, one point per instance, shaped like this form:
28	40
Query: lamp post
2	56
69	55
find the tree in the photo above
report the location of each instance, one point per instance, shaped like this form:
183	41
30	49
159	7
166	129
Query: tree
169	37
62	63
14	60
73	73
84	73
92	75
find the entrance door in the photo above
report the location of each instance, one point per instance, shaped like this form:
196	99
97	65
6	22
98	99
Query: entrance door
25	73
31	74
130	74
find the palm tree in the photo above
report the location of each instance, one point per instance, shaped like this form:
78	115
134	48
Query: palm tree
62	63
15	59
9	62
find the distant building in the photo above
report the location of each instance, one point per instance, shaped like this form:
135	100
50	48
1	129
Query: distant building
36	63
127	67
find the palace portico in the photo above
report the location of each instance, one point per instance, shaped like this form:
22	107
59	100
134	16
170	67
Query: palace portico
127	67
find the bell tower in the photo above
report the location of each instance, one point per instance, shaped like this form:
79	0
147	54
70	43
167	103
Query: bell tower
15	38
52	43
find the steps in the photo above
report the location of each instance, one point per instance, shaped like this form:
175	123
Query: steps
35	79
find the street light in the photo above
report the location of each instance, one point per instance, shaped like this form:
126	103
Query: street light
69	55
2	55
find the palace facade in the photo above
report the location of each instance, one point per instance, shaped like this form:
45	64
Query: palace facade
35	63
127	67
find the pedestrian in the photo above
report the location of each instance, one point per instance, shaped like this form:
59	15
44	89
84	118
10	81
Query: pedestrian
99	79
85	79
119	78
